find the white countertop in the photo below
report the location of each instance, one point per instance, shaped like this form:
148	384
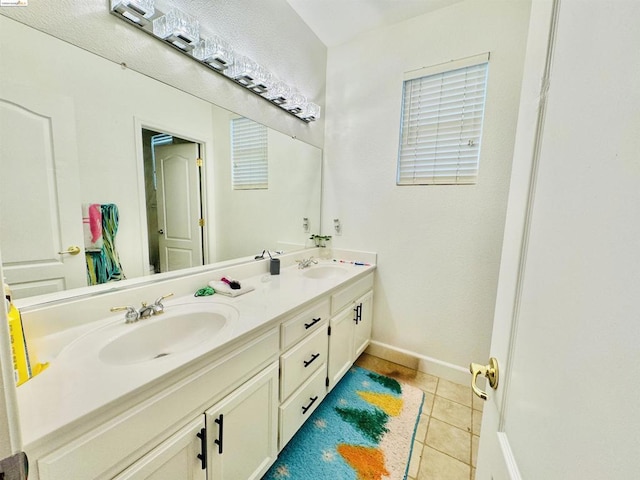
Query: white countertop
77	383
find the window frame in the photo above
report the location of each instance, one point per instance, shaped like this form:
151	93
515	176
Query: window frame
414	156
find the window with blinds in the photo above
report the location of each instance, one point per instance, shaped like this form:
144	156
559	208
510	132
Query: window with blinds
442	113
249	166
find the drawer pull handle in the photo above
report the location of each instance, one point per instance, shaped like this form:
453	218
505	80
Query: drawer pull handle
309	362
307	326
218	441
306	409
203	447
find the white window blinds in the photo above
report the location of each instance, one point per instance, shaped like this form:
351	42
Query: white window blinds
249	166
441	127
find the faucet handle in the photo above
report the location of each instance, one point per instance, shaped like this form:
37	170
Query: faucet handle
160	299
157	306
131	316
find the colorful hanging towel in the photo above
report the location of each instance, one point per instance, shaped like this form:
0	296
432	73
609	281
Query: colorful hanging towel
104	266
92	226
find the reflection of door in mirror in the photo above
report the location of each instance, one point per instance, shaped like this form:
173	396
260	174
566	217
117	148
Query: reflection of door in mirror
41	218
174	202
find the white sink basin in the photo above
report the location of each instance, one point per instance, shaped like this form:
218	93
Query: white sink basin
324	271
180	329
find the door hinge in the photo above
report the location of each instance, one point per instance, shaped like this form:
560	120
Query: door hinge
326	382
329	331
201	222
198	162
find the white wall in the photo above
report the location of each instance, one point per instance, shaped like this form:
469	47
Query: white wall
254	220
438	246
274	36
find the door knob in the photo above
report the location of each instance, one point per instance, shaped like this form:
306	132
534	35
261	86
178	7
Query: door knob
490	371
72	250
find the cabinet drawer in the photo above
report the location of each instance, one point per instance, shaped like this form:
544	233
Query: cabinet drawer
299	363
295	411
304	323
348	294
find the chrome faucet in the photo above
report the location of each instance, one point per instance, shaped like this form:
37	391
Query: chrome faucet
157	306
145	310
304	263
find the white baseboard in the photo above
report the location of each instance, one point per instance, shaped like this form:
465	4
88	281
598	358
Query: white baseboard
422	363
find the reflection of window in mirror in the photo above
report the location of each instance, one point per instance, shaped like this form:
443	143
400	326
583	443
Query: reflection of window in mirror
249	164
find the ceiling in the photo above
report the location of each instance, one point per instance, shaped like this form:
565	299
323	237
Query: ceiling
338	21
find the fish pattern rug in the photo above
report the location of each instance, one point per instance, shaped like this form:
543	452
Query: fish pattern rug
363	430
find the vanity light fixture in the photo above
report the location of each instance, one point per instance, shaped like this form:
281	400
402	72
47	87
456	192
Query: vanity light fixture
261	79
242	71
311	113
278	92
178	28
214	52
183	32
138	11
296	104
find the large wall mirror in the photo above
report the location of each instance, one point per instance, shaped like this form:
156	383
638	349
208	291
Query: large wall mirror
82	137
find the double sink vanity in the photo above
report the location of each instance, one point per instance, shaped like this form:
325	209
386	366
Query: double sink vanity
213	388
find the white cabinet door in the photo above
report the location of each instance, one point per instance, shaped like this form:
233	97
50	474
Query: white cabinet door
176	457
242	429
341	342
363	312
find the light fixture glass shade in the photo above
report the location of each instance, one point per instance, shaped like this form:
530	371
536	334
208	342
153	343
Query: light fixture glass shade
278	92
183	31
243	71
296	104
138	11
261	79
178	28
215	52
311	113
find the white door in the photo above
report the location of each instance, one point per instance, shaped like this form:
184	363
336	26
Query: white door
40	213
178	197
567	329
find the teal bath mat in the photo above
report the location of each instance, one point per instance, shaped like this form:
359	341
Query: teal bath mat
363	430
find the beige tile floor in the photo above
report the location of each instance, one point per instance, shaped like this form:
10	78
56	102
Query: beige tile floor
446	441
